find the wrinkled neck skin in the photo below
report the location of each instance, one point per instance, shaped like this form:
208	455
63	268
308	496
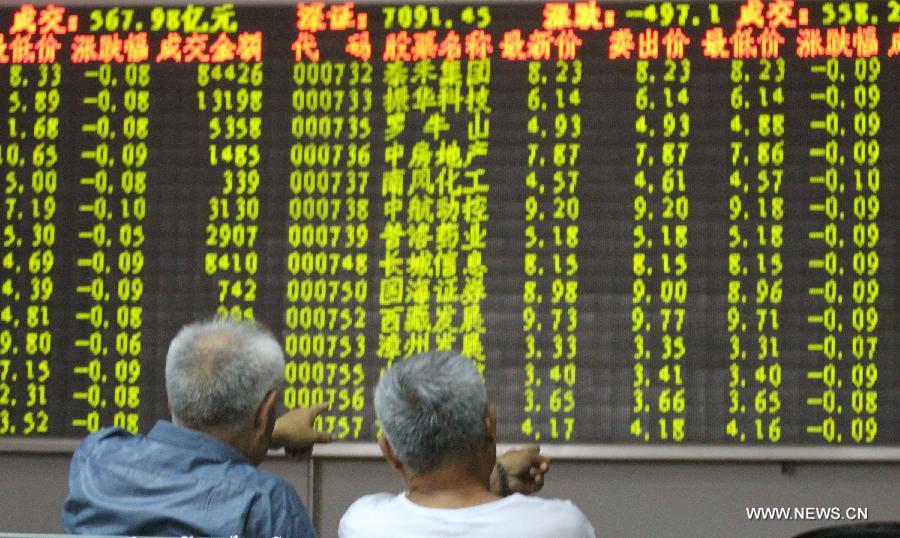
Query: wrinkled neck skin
252	440
245	442
242	441
458	483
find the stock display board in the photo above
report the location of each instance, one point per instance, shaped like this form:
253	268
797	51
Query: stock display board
645	222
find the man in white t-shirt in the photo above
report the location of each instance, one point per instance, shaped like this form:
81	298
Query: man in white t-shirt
441	434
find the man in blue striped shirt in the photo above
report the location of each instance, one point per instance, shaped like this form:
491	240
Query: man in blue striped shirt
198	475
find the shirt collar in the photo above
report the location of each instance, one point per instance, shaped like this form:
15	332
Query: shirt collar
195	441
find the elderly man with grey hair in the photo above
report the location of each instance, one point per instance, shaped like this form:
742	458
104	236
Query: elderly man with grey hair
440	433
198	475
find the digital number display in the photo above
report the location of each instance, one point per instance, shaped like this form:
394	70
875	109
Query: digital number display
665	222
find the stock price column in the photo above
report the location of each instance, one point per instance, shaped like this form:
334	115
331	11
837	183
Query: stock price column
842	389
552	212
116	75
328	233
755	239
661	209
29	272
122	61
546	61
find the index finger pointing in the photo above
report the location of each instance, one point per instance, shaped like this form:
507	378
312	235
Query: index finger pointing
318	409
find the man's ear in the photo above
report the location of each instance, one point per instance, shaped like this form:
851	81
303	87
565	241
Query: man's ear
388	452
490	423
265	413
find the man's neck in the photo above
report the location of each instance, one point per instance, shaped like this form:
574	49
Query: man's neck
452	486
237	440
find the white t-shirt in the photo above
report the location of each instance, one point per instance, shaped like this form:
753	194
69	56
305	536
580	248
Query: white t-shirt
385	515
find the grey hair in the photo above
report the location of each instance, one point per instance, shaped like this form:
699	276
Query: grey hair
432	408
218	372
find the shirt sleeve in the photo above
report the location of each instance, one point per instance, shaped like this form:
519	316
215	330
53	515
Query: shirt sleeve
74	503
342	528
78	506
349	520
572	521
588	531
281	514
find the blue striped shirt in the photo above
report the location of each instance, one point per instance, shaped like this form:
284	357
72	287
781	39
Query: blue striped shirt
176	481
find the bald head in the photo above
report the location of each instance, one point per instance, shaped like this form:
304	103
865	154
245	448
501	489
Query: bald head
218	373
